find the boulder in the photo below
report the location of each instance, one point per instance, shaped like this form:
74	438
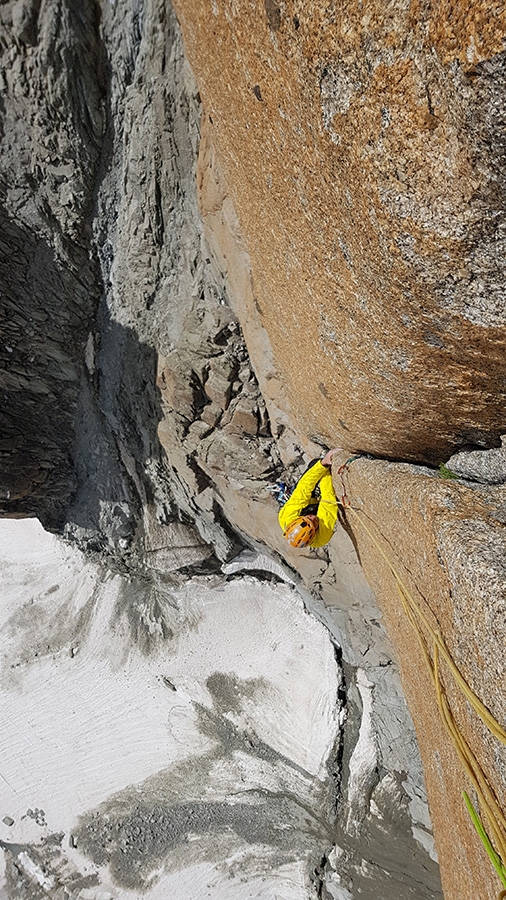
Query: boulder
224	366
218	389
488	466
363	242
211	414
177	392
245	417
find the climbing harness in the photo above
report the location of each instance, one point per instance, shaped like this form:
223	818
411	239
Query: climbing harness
422	627
280	491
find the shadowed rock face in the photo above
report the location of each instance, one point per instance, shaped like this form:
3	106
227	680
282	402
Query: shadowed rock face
78	266
366	147
51	131
44	332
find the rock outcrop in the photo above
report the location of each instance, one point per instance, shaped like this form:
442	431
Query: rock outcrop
352	164
364	155
457	578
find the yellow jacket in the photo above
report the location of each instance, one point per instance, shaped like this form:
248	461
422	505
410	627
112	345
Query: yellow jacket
301	497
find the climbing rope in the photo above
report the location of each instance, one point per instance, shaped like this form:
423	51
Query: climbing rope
341	470
428	635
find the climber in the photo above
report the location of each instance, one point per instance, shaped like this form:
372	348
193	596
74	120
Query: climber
306	520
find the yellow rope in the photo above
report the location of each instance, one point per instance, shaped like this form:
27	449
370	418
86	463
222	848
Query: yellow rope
471	765
488	800
479	707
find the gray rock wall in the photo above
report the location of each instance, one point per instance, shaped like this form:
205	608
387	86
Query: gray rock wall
51	137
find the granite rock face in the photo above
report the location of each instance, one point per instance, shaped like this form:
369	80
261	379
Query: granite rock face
364	155
487	466
457	579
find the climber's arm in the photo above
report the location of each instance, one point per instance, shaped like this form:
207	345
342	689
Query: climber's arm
327	511
302	494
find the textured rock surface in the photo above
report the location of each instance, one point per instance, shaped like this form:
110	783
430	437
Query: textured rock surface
364	155
352	162
488	466
50	152
153	298
458	578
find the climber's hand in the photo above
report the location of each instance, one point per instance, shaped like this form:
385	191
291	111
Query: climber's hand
327	459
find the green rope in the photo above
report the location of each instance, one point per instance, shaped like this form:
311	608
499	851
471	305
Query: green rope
494	857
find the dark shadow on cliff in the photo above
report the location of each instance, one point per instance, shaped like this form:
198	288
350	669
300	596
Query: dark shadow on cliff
45	316
80	406
116	440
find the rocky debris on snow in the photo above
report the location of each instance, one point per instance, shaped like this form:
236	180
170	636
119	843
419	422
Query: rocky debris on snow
191	741
248	560
363	763
174	547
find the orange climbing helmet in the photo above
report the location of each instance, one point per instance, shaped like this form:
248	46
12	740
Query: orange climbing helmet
301	531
